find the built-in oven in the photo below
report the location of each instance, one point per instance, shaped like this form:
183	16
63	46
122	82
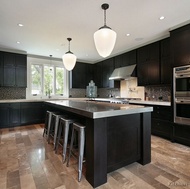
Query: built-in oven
181	91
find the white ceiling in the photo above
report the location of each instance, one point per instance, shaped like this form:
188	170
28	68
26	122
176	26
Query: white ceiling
48	24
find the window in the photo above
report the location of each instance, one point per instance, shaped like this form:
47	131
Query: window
46	79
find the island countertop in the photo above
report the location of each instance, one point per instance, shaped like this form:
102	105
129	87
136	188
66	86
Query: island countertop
99	109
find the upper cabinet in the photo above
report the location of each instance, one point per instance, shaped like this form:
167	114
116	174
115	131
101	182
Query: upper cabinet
148	64
180	46
125	59
81	75
14	70
165	63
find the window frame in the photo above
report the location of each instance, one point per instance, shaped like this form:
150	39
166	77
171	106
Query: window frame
45	61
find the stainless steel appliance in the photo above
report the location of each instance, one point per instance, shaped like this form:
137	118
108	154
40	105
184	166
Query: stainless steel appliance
181	91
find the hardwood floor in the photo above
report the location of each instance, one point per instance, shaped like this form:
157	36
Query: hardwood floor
28	162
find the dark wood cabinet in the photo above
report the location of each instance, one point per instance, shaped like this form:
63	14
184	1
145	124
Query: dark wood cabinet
165	63
81	75
14	114
14	70
107	69
4	115
181	134
162	124
32	112
148	64
98	74
180	46
125	59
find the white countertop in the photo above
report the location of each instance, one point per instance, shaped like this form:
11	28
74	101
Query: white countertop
144	102
162	103
94	109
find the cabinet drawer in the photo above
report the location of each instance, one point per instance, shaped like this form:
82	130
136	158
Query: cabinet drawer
162	112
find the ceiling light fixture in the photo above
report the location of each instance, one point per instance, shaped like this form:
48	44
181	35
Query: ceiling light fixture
69	59
162	17
105	37
128	34
21	25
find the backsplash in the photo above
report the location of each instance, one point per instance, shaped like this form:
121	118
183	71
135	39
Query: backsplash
154	92
12	93
101	92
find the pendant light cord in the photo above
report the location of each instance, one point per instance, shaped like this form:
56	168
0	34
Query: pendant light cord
104	17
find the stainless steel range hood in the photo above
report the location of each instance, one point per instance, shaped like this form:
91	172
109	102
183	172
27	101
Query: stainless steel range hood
123	73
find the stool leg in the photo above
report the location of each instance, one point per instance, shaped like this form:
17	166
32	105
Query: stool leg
50	127
60	128
65	140
81	153
55	131
71	146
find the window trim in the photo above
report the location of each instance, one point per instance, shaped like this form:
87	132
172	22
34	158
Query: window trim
44	62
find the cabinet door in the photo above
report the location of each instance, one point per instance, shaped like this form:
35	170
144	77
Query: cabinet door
9	77
154	51
32	112
98	75
1	68
14	114
20	60
107	69
78	74
142	54
4	115
166	71
165	48
9	59
180	46
118	61
142	73
153	72
89	73
20	76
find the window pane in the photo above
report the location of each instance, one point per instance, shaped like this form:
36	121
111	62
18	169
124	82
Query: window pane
36	79
59	80
48	80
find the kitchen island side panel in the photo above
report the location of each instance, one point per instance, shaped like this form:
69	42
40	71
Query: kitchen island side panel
96	151
124	140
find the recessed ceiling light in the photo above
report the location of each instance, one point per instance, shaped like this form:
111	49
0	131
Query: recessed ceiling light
21	25
128	34
18	42
162	17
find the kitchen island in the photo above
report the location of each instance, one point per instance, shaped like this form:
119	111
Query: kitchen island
116	135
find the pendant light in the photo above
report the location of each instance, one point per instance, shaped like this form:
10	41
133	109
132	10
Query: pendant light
105	37
69	59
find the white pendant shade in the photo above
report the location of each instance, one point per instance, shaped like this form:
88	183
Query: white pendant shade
104	40
69	61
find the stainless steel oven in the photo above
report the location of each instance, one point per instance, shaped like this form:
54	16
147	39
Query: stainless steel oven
181	91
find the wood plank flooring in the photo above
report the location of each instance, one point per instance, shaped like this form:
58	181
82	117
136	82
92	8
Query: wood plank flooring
27	161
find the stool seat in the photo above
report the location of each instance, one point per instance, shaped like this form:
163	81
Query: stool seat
78	127
64	126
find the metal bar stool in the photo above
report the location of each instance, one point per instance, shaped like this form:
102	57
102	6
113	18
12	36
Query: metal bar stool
54	127
81	141
64	126
47	122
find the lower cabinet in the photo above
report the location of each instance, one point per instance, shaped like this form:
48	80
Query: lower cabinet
4	115
181	134
162	124
21	113
14	114
32	112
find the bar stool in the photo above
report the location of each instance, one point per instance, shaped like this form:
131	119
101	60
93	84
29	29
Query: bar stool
64	126
47	122
54	127
81	141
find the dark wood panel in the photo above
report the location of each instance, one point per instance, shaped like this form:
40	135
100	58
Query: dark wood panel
14	119
4	115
